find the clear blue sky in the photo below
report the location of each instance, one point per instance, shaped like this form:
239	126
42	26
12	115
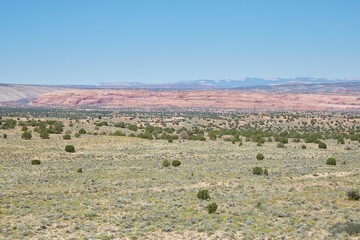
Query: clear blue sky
91	41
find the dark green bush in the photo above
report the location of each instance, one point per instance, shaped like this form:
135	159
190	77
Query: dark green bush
79	170
331	161
77	135
353	194
67	137
24	128
5	136
35	162
260	156
82	131
70	148
166	163
266	172
176	163
26	135
203	194
211	208
257	171
322	145
303	147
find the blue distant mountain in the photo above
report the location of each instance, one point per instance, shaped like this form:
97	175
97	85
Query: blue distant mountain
225	84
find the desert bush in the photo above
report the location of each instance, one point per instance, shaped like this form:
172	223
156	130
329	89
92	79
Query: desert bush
280	145
5	136
331	161
211	208
79	170
44	135
77	135
353	194
296	140
266	172
176	163
70	148
260	156
67	137
203	194
82	131
166	163
35	162
351	228
257	171
26	135
24	128
322	145
118	133
303	147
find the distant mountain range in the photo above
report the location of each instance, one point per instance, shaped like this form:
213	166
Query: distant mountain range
224	84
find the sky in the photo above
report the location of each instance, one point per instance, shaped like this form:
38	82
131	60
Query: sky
92	41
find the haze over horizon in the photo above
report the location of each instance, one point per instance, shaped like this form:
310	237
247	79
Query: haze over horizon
89	42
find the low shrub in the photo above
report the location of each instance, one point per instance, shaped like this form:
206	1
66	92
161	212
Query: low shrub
266	172
67	137
212	207
44	135
280	145
303	147
353	194
70	148
203	194
166	163
331	161
257	171
79	170
176	163
5	136
322	145
260	156
35	162
26	135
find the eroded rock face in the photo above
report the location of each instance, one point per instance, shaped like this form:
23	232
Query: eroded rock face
226	99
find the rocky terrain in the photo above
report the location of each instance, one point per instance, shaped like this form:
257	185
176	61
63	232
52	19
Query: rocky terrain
216	99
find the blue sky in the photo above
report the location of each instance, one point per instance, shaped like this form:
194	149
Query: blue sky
91	41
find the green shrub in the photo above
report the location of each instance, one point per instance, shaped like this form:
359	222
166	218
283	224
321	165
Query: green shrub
203	194
70	148
5	136
176	163
296	140
266	172
257	171
353	194
24	128
67	137
26	135
77	135
260	156
351	228
79	170
322	145
118	133
211	208
303	147
44	135
331	161
280	145
166	163
35	162
82	131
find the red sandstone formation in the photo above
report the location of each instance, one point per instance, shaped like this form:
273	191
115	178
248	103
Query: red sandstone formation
222	99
